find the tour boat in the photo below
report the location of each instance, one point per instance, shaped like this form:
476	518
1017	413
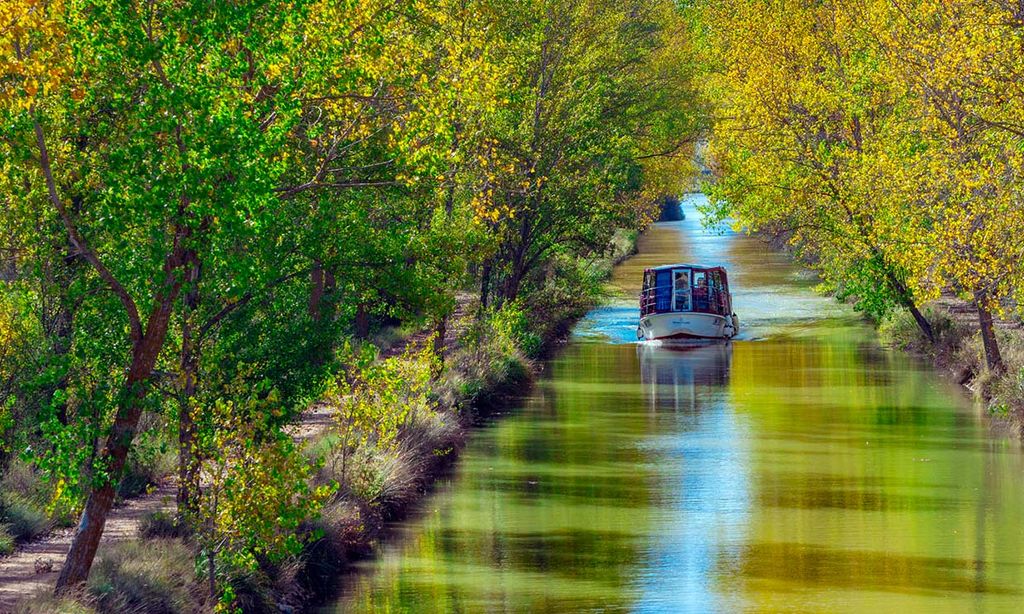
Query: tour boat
686	301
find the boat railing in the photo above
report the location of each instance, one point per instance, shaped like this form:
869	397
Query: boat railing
710	300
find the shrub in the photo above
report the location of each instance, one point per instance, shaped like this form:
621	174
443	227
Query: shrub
25	519
149	461
900	330
511	327
160	524
22	479
251	589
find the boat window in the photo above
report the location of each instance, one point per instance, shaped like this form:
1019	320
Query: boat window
662	290
681	290
647	294
716	299
700	291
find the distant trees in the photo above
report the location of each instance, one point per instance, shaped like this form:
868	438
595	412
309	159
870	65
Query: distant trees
884	136
594	92
205	200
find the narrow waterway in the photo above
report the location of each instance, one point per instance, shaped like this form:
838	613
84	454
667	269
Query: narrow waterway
800	467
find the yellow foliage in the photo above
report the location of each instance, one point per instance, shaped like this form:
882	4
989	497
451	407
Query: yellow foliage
875	132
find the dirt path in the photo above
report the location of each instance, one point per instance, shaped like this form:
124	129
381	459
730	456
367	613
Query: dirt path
964	313
34	567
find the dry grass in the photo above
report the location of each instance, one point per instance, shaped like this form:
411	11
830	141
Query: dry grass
6	540
23	518
23	503
45	603
151	576
155	576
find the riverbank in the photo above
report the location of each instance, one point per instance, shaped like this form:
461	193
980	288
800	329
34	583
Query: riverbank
489	359
959	353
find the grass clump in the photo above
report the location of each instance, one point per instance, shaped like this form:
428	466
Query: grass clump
161	525
24	518
156	575
45	603
900	330
6	541
23	499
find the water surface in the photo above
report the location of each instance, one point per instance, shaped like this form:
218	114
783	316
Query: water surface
800	468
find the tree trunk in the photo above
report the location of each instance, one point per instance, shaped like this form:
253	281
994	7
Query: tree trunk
188	464
922	322
518	266
515	279
908	302
61	327
101	499
485	283
993	357
330	287
362	322
316	292
97	507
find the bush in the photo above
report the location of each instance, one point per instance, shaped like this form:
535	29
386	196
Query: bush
511	327
155	575
23	499
252	590
22	479
149	461
25	519
160	525
900	330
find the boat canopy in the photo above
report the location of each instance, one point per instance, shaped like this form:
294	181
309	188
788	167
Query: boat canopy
685	287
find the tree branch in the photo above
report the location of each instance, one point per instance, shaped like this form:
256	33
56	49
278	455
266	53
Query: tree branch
76	238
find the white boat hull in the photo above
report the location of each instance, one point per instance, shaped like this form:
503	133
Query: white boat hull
683	325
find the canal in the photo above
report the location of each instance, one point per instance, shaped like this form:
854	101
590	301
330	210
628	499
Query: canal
799	467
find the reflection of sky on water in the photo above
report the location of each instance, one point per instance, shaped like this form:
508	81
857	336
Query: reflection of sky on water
762	281
706	483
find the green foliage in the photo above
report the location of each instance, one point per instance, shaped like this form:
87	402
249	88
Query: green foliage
377	398
890	158
511	325
149	461
204	206
257	486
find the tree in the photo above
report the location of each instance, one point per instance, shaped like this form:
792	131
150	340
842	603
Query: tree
805	114
596	126
964	127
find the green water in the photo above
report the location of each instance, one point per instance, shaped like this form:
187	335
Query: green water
798	468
